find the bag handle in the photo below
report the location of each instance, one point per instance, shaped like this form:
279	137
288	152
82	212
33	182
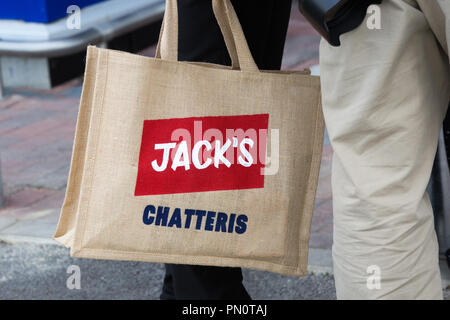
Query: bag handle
230	27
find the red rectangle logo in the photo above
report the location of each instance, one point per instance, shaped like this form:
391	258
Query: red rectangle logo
202	154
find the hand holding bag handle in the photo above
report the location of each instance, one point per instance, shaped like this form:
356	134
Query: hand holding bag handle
228	21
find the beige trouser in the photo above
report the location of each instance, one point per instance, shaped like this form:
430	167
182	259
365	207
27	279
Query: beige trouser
385	94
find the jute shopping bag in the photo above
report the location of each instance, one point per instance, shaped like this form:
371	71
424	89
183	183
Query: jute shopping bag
193	163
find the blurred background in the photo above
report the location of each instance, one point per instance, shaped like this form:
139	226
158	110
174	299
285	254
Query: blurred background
42	55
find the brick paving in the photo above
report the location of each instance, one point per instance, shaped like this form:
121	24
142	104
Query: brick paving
36	136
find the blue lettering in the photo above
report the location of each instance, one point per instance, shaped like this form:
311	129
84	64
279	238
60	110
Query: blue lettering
176	218
214	221
241	224
162	216
209	223
231	223
146	218
200	214
221	222
188	213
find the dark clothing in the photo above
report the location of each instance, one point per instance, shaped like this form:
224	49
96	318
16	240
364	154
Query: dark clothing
264	23
185	282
